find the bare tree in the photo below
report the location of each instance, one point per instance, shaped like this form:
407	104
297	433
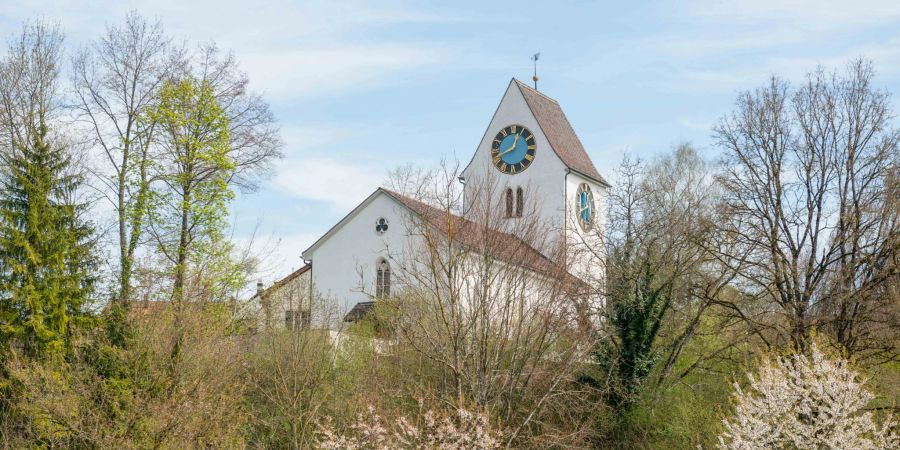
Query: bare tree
662	282
28	84
479	317
116	80
806	199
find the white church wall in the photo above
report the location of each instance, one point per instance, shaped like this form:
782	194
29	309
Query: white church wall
586	249
344	263
543	179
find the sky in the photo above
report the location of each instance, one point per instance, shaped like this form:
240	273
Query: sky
361	87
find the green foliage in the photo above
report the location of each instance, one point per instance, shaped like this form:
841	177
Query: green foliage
639	302
189	214
46	249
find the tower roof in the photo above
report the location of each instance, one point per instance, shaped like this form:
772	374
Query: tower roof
559	132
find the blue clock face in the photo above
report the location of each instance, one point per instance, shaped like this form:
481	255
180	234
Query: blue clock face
585	204
513	149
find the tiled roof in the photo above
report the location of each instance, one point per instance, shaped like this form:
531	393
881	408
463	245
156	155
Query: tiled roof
559	132
503	246
358	311
274	287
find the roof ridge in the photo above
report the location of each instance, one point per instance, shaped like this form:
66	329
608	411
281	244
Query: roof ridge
560	133
521	84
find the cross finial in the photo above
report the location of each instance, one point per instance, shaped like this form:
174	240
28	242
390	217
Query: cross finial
535	77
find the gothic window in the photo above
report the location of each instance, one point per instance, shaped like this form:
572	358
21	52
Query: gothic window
509	202
520	202
382	278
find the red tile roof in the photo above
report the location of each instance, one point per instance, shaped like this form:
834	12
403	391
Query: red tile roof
503	246
559	132
274	287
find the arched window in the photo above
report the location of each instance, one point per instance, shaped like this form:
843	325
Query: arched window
509	202
382	278
520	202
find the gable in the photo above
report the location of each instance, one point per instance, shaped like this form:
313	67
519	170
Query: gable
525	106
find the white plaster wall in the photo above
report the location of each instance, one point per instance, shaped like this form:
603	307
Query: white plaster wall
545	177
343	270
586	253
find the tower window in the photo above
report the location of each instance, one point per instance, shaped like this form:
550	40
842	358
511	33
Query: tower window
509	202
382	278
520	201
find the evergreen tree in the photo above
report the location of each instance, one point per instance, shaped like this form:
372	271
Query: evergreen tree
46	249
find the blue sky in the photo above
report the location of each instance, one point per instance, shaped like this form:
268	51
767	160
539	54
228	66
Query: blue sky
361	87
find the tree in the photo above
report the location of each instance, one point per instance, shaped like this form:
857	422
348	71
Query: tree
218	136
807	201
117	81
195	170
805	402
660	281
46	248
479	319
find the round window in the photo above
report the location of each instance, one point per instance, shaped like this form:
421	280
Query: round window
381	225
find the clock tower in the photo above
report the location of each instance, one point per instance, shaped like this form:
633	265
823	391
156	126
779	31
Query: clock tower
534	166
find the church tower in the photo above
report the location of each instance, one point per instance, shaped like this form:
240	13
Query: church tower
536	168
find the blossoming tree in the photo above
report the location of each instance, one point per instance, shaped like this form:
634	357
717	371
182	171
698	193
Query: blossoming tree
806	402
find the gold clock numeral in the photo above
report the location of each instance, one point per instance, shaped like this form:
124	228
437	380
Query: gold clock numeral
529	157
532	147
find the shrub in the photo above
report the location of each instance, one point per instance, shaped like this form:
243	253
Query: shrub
806	402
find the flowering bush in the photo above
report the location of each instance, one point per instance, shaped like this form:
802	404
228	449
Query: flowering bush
806	402
464	430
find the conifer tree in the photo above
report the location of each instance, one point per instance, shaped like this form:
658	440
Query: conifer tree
46	248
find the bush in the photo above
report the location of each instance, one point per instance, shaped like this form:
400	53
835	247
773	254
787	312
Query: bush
806	402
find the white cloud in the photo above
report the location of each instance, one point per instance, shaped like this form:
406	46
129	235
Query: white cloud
291	74
290	49
278	254
341	185
804	14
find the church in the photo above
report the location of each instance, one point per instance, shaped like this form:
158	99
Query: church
531	168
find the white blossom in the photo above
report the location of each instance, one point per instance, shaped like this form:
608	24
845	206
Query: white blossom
463	430
806	402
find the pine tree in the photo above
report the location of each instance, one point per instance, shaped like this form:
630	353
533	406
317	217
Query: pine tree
46	249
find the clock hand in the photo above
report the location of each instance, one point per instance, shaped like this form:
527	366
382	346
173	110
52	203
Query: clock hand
511	147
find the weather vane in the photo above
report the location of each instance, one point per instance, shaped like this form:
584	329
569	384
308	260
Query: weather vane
535	77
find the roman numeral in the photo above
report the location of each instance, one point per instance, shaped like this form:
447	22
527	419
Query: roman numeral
529	157
532	147
512	129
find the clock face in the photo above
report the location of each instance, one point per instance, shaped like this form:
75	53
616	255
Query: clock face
512	150
584	202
